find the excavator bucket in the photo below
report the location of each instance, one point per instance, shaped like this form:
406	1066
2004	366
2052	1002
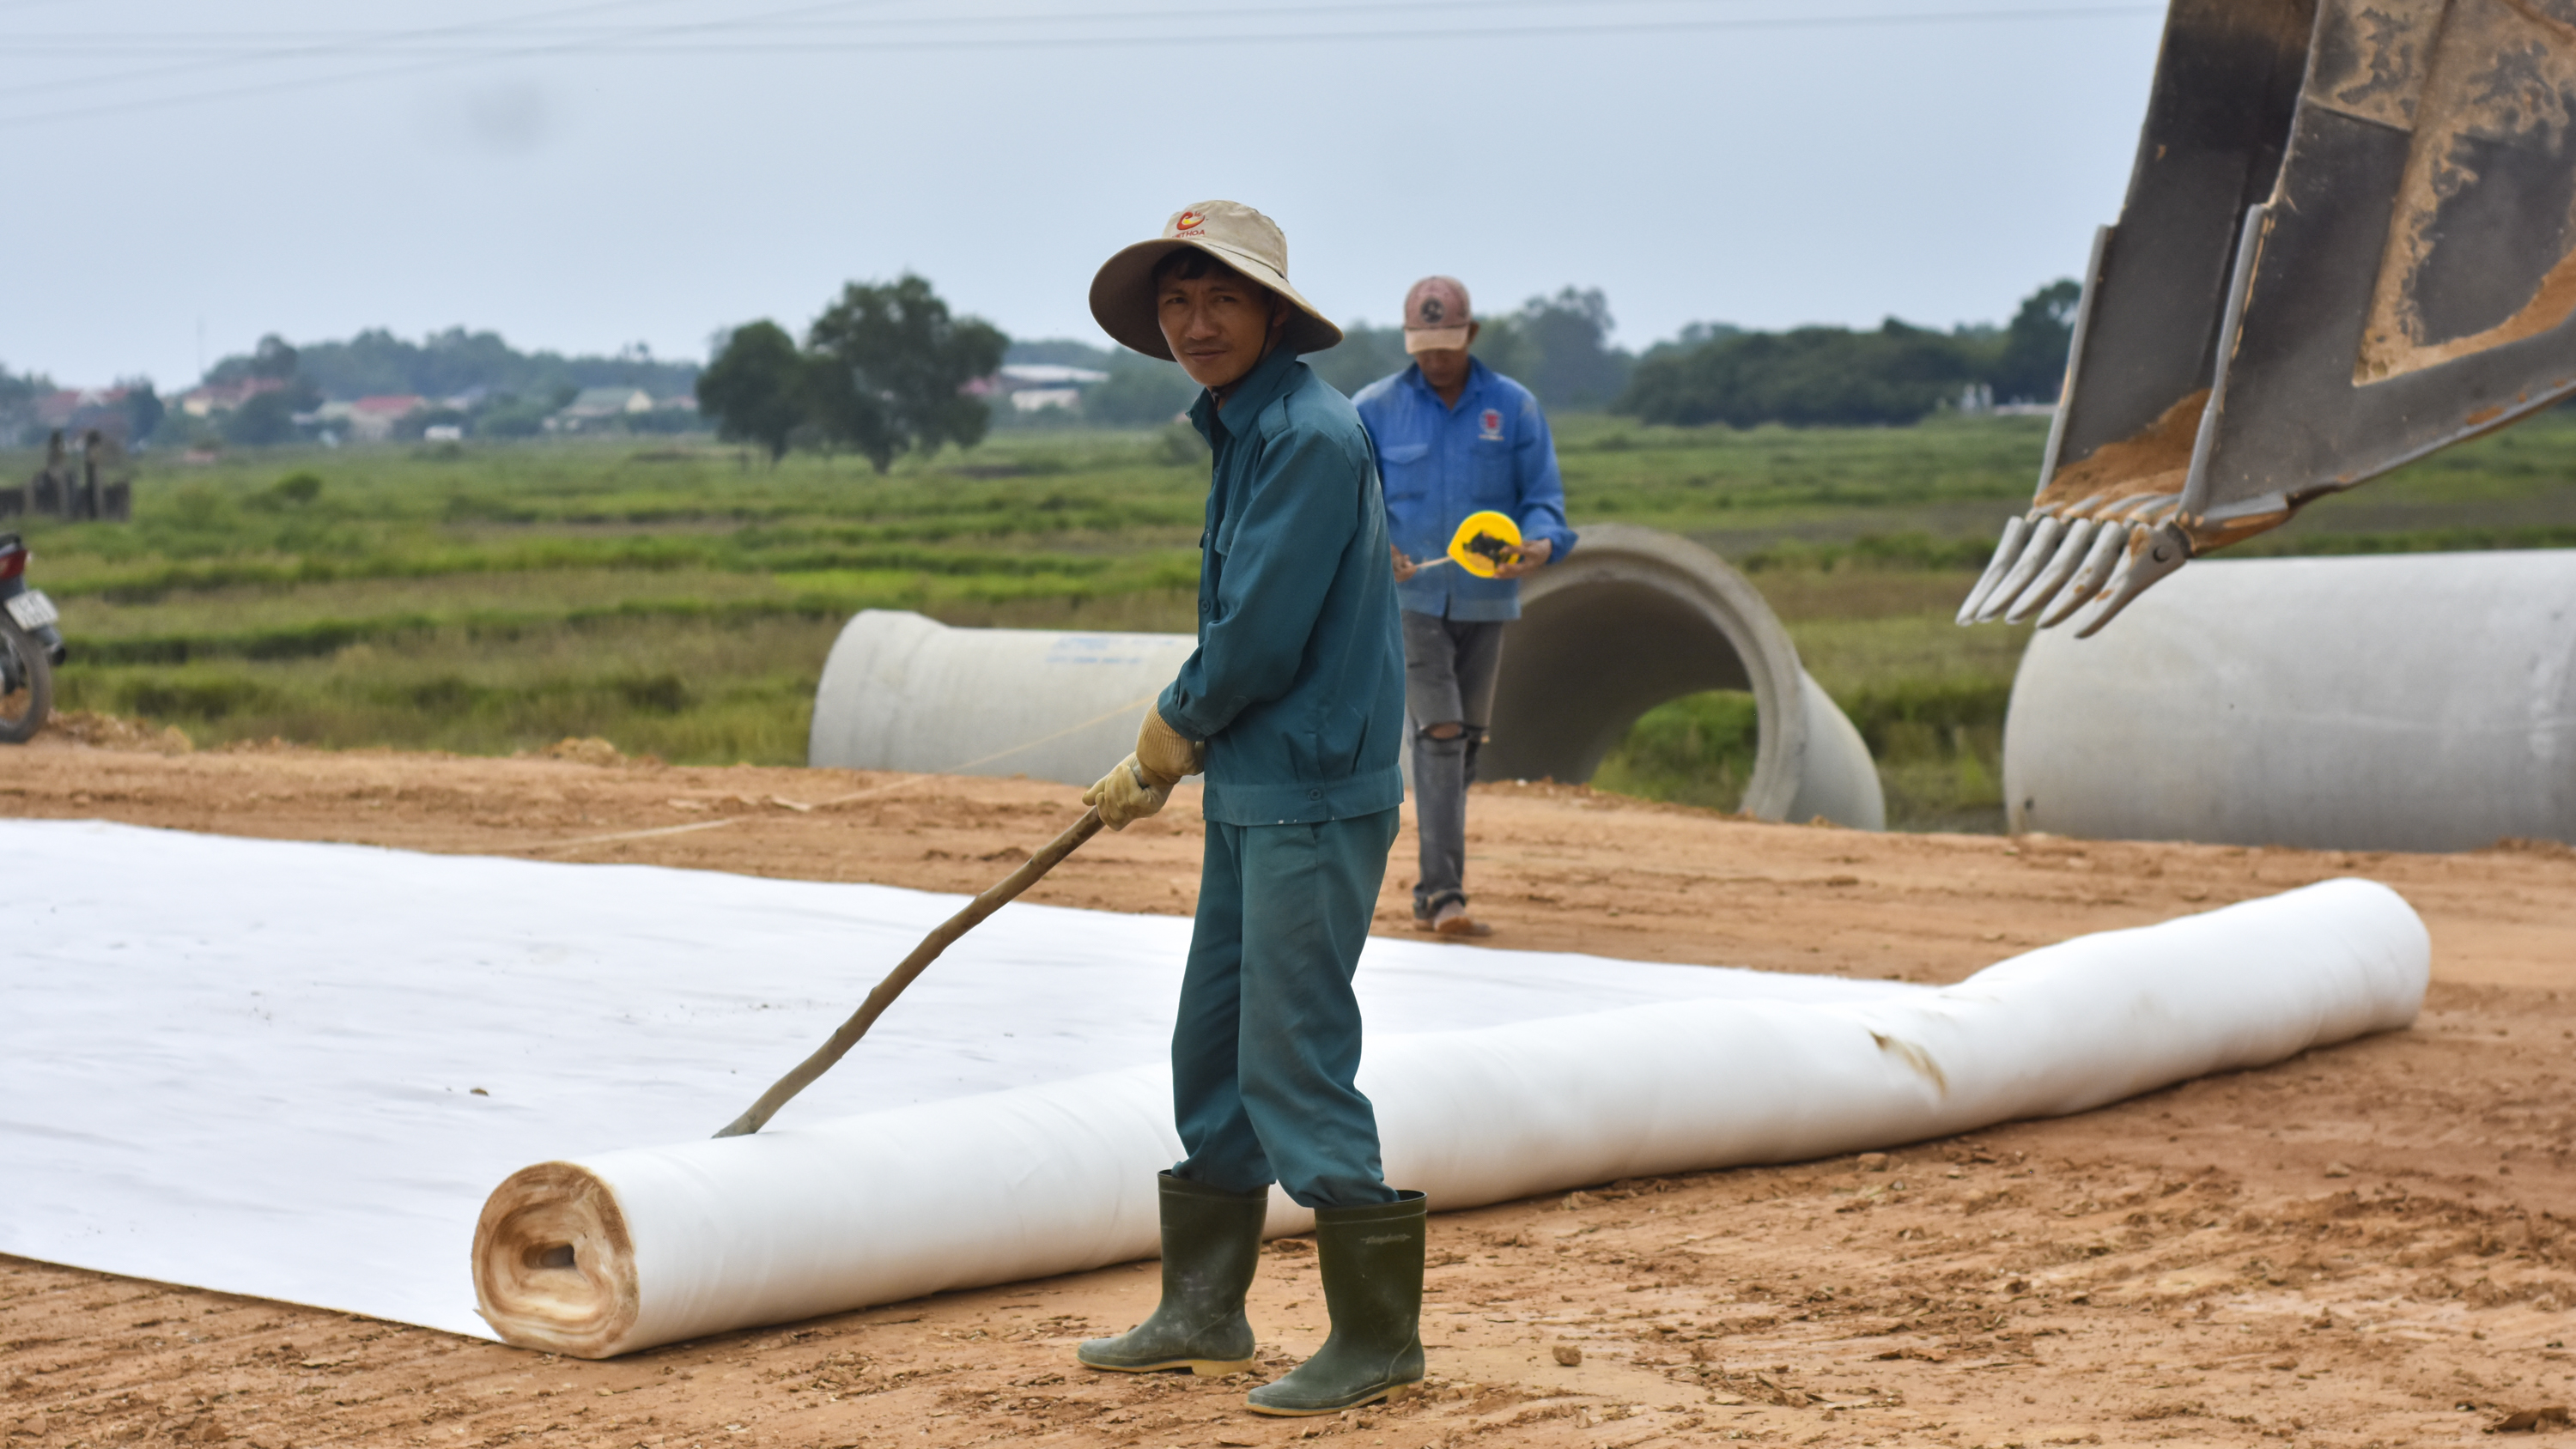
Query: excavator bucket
2349	239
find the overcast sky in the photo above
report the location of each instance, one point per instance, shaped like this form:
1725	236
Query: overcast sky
585	176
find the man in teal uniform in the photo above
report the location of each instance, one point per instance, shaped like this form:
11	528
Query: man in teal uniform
1293	704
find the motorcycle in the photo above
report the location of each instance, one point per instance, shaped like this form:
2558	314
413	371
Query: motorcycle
30	647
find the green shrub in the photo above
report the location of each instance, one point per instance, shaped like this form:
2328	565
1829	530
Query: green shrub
1938	745
663	693
1894	717
191	697
1910	549
1696	750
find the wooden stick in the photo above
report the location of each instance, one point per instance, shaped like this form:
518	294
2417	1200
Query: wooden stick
993	899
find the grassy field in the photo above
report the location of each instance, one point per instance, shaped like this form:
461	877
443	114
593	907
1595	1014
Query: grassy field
678	599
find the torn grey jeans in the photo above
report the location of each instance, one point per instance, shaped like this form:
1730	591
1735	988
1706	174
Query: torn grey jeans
1449	669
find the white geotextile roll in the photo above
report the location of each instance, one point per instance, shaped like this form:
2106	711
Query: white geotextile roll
1484	1116
630	1249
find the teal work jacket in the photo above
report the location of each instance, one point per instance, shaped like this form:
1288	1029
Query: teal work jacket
1298	681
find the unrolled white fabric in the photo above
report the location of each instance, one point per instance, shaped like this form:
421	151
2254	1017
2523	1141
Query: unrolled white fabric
1054	1178
249	1065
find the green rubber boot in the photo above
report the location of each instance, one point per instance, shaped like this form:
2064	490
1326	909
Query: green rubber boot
1211	1245
1371	1258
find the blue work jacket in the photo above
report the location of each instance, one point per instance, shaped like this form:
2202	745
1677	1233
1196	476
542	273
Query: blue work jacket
1298	681
1440	463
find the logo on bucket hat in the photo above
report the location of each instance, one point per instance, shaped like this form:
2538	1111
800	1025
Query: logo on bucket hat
1187	222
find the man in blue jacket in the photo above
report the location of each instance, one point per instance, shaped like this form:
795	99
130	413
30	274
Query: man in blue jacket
1455	437
1293	703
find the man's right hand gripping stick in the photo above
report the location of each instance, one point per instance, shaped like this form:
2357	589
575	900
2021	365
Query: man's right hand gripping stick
1141	783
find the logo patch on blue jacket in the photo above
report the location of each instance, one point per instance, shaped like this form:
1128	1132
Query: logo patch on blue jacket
1492	422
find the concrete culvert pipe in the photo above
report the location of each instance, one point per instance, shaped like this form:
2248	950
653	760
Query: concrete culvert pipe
1637	617
2416	702
1634	618
902	692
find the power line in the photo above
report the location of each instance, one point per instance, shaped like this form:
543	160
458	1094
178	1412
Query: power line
1796	22
307	50
355	43
230	43
127	42
638	42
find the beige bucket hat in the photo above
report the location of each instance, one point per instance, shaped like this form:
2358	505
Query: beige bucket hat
1122	294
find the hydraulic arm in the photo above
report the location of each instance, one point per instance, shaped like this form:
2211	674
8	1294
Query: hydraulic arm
2349	240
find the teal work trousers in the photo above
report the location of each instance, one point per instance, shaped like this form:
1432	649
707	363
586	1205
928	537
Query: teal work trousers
1266	1052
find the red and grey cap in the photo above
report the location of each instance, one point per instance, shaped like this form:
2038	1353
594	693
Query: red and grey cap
1436	317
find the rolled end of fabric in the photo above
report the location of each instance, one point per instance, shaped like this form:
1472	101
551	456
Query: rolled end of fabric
554	1264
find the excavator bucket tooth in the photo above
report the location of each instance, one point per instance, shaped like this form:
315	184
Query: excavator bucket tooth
2152	554
2071	551
2036	551
2349	240
2007	550
2109	547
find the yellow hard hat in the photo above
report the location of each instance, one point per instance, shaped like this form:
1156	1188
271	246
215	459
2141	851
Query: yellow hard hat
1484	541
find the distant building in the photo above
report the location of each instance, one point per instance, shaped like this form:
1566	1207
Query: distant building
372	419
331	419
442	433
223	397
78	409
595	405
1037	386
1048	374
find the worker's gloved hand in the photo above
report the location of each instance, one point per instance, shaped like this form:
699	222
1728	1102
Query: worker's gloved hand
1164	753
1129	793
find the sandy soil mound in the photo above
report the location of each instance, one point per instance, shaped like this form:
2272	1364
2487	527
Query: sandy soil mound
2367	1245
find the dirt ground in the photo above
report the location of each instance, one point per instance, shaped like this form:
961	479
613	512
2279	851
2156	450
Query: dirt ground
2369	1245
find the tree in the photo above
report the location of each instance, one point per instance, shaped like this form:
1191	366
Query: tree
1807	377
16	389
511	416
273	359
18	392
2033	365
1574	365
143	408
756	389
263	419
1141	392
890	366
457	364
1366	354
1063	352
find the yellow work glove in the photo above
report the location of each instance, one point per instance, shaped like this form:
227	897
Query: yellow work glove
1143	781
1163	753
1127	794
